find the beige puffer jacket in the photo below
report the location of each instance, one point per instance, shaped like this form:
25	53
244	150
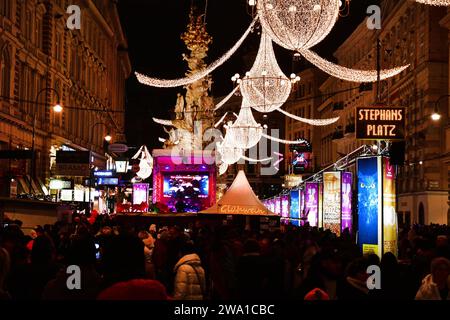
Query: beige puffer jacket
189	279
429	290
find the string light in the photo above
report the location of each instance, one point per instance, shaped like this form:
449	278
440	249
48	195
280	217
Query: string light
313	122
298	24
245	132
299	141
348	74
164	83
225	100
265	87
435	2
256	160
221	120
163	122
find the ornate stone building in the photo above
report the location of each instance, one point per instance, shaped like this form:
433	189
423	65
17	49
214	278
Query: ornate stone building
412	34
86	67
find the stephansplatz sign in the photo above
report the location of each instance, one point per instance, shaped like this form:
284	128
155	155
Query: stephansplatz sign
380	123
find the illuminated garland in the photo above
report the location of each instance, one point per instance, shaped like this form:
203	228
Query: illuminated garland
435	2
313	122
300	24
164	83
163	122
299	141
348	74
221	120
225	100
256	160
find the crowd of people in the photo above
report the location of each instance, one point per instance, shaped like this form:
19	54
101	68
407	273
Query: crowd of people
198	262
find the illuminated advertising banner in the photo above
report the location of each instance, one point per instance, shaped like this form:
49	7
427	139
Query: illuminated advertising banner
320	213
295	205
390	241
140	193
272	205
380	123
347	218
285	206
277	206
332	201
369	204
312	202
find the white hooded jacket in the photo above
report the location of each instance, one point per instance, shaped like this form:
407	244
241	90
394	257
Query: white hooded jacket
429	290
189	279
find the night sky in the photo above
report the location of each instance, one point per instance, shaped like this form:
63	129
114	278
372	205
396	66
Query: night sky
153	29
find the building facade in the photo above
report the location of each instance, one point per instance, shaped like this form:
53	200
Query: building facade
412	34
43	61
304	102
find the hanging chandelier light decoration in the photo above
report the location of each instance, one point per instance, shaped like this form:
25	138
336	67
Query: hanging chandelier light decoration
298	25
228	152
164	83
313	122
265	87
245	132
145	163
442	3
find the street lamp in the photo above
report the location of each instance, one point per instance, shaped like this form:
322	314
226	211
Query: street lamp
436	116
56	108
108	138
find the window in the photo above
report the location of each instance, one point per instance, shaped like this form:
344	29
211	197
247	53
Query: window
5	8
5	74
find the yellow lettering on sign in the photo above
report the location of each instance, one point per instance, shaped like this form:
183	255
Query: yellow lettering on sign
241	210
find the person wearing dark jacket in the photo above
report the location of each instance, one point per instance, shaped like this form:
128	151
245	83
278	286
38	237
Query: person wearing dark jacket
324	271
251	273
81	253
354	286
